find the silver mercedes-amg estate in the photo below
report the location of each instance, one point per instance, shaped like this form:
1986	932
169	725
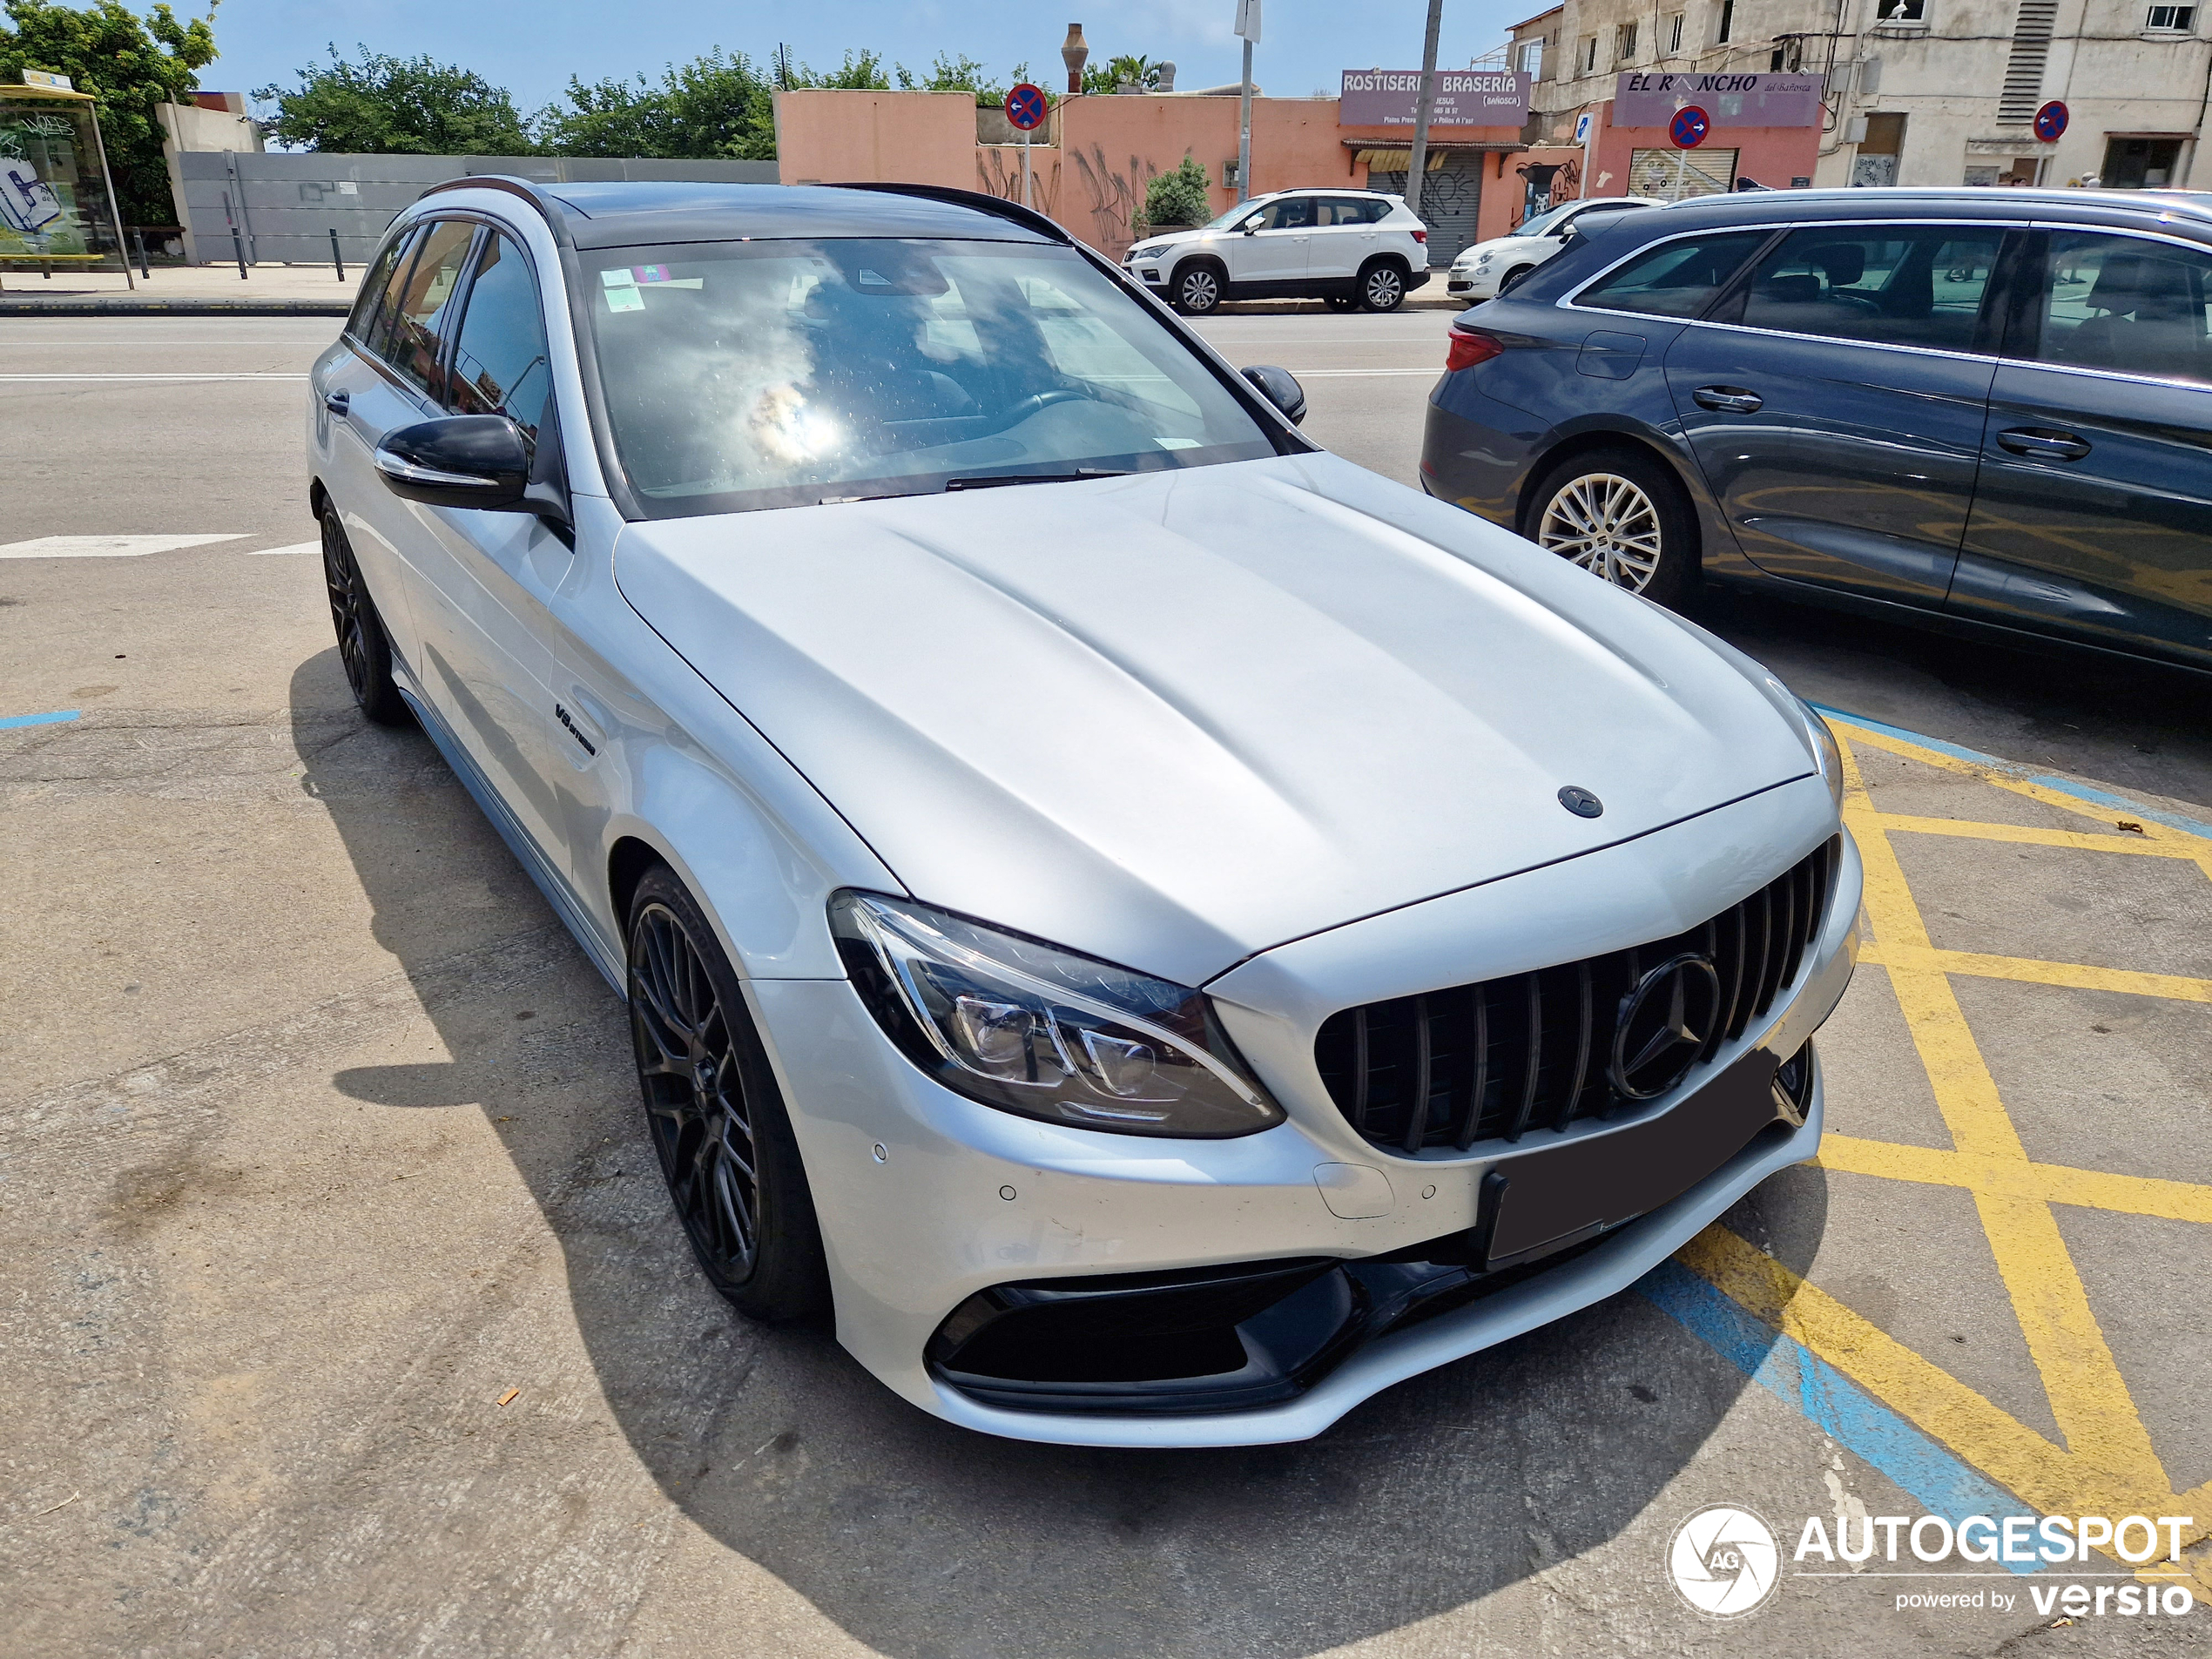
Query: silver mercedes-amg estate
1161	932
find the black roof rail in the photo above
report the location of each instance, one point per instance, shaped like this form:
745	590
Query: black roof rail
523	188
981	202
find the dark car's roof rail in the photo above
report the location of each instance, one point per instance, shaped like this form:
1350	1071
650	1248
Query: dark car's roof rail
513	187
981	202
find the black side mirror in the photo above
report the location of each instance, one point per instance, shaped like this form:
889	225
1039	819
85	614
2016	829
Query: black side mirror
460	461
1280	388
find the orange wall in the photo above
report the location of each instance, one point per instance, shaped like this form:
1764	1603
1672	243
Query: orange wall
869	138
1093	180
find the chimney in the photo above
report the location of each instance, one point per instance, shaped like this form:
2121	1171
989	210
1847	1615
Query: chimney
1074	52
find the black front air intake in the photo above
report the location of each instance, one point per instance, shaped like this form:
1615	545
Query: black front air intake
1491	1061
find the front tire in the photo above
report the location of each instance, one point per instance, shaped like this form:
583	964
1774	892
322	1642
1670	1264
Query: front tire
1382	286
1197	290
1505	285
363	646
714	1113
1621	515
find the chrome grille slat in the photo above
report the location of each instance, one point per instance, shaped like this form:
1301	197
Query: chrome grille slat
1534	1049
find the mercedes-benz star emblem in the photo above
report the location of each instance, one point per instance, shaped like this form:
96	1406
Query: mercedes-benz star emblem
1665	1020
1579	801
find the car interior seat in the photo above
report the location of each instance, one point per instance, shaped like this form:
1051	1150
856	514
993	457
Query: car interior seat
2149	321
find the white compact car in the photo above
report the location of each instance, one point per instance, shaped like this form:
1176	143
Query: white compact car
1486	269
1353	248
1130	913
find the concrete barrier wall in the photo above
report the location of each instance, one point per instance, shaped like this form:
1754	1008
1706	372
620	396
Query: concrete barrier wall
284	207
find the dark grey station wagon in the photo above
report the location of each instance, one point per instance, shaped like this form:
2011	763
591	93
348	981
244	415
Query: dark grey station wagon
1982	406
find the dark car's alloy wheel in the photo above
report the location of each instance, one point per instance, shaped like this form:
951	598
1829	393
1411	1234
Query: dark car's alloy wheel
363	648
1619	516
1383	288
1197	291
725	1144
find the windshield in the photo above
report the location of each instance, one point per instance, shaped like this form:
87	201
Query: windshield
1544	222
1234	216
778	373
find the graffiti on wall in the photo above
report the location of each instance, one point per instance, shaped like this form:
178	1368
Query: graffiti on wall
998	172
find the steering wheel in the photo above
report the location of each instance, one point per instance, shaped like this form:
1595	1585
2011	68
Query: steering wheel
1036	402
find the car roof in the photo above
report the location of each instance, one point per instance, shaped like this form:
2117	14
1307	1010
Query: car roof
2010	203
639	213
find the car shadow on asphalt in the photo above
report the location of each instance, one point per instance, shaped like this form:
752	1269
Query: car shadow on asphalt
922	1539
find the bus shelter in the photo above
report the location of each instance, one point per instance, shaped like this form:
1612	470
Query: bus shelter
58	204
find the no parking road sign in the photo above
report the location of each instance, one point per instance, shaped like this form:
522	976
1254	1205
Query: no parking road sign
1026	107
1689	127
2050	121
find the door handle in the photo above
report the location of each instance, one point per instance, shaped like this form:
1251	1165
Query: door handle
2043	443
1732	400
338	402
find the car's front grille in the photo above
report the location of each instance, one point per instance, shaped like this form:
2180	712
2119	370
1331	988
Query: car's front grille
1534	1050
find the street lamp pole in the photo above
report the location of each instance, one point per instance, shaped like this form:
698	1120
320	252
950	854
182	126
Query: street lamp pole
1423	107
1248	28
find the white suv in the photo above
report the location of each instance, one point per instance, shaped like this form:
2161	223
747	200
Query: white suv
1488	268
1351	247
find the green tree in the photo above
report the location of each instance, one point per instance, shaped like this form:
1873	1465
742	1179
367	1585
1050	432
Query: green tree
396	105
717	105
130	64
961	74
862	71
1108	76
1178	197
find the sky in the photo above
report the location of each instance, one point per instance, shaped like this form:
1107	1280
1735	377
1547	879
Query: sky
532	47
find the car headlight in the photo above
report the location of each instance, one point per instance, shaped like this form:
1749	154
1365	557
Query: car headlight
1028	1028
1825	753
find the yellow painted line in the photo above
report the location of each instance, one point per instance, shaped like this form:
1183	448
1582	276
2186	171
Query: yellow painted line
2153	830
2089	1399
2079	976
2129	1195
1975	830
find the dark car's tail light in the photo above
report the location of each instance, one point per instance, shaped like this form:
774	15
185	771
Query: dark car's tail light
1468	348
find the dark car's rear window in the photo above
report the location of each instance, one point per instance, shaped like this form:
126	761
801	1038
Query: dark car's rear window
1676	278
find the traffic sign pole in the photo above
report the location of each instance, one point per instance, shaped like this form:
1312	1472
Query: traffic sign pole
1026	108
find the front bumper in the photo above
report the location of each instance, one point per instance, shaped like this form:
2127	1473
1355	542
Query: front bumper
927	1199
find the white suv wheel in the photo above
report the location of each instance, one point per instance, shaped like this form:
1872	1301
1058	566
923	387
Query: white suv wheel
1198	290
1382	288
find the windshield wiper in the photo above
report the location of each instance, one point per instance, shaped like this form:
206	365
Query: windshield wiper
995	480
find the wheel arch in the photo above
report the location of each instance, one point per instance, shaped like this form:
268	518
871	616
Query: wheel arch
317	499
1599	438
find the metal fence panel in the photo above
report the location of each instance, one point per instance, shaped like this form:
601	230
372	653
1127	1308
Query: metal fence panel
284	207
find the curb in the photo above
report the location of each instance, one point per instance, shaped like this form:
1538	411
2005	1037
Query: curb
127	305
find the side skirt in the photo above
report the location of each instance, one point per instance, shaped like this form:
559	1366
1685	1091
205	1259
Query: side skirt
611	963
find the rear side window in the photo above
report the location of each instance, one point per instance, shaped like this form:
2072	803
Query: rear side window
422	308
499	362
1676	278
1919	286
2128	305
1343	210
362	324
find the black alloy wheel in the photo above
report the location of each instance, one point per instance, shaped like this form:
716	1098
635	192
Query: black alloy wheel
714	1115
362	646
1198	290
1382	288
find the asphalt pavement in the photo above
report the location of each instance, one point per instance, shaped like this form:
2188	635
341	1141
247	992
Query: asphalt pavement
341	1310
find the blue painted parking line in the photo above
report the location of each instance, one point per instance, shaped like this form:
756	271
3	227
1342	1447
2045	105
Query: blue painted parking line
9	722
2046	781
1831	1401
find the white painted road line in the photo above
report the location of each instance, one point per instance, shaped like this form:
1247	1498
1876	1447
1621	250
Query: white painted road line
1361	373
303	548
135	380
107	547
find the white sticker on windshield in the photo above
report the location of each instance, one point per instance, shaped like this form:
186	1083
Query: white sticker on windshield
1176	443
626	299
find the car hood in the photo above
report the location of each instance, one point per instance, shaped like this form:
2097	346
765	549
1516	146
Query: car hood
1176	718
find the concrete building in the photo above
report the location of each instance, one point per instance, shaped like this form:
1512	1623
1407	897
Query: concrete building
1913	91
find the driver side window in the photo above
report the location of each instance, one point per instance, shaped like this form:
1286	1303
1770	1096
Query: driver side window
1294	214
500	364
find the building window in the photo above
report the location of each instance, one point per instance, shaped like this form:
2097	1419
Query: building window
1790	56
2177	19
1901	11
1726	25
1590	51
1624	43
1532	58
1674	34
